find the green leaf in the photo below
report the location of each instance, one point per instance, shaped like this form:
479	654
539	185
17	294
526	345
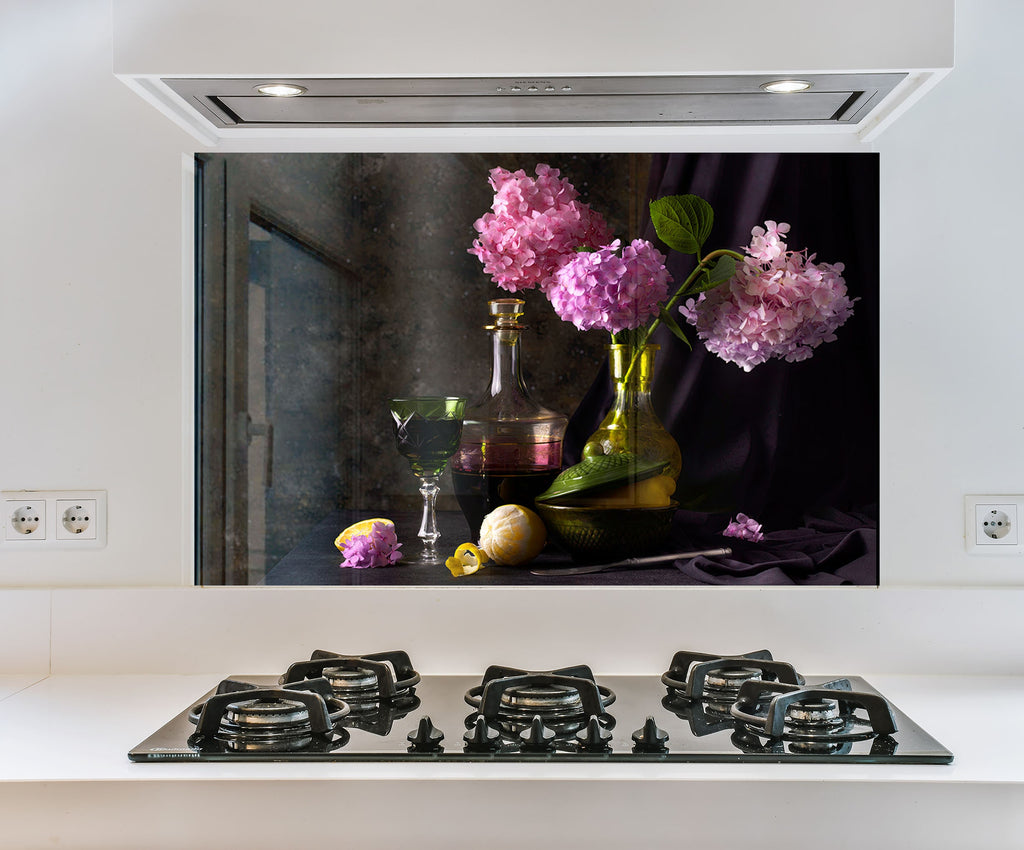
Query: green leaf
668	320
683	222
718	274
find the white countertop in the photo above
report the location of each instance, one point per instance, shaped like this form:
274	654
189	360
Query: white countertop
65	779
64	741
12	684
111	714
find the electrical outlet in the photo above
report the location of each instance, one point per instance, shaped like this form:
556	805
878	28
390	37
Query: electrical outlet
54	519
998	524
991	525
24	519
76	519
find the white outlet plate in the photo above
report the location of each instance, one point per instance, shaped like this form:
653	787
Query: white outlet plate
76	519
24	520
51	531
992	525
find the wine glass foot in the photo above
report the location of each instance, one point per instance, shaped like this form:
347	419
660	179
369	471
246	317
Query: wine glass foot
429	552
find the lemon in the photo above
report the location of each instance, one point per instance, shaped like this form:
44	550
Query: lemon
467	559
653	492
359	529
512	534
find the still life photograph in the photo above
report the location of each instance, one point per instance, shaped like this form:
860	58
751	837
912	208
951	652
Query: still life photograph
647	369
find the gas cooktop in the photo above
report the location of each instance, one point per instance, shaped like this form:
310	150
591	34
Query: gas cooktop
704	708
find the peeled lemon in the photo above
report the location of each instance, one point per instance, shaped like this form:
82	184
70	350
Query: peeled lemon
359	529
512	535
467	559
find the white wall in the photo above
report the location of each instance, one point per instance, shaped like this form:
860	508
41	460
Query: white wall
90	316
92	353
952	387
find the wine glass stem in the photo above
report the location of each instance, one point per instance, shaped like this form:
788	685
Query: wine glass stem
428	525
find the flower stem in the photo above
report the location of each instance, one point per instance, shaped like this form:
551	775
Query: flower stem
639	341
702	266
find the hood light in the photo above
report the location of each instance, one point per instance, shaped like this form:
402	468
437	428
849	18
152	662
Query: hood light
280	89
786	86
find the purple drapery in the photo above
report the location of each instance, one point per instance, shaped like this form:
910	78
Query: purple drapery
787	443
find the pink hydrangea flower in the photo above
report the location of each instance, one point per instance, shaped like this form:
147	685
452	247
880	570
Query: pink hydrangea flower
535	227
379	548
612	288
779	304
766	244
744	528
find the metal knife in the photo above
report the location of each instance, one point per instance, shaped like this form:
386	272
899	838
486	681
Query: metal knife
628	563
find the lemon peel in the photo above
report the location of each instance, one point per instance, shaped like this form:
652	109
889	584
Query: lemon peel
359	529
512	535
468	558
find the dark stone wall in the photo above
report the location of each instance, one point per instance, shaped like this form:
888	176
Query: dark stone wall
392	231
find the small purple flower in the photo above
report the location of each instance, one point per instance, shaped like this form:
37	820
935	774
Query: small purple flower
379	548
745	528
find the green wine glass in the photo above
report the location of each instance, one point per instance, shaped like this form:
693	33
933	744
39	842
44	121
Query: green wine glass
428	430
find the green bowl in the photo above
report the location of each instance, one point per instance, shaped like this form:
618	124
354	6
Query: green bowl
596	535
601	472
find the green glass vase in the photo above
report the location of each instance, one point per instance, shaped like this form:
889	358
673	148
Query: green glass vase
632	425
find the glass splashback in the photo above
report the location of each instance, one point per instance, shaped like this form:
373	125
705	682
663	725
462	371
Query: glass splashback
327	283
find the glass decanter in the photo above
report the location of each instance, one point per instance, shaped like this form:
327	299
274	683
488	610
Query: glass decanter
511	446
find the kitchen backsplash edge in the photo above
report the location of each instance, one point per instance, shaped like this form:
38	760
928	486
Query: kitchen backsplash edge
908	630
25	631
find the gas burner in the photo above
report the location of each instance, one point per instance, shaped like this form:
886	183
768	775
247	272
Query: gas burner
564	700
379	719
717	679
747	742
243	717
813	719
704	718
366	682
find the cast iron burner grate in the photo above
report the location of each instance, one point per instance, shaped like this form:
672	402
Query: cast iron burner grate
538	710
374	677
379	687
243	717
703	687
718	678
822	718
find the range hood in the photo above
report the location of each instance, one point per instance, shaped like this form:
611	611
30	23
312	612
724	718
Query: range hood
574	66
549	101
